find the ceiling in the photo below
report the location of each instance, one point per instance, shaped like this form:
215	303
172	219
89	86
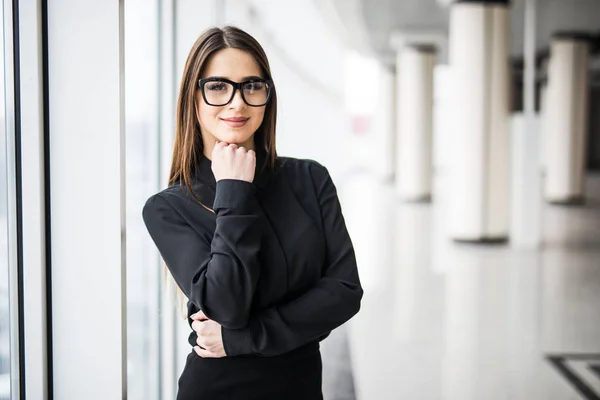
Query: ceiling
378	20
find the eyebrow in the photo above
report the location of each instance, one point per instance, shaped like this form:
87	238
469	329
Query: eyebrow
243	79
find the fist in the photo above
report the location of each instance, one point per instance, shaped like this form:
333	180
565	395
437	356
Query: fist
229	161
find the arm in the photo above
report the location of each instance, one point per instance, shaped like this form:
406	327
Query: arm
220	276
333	300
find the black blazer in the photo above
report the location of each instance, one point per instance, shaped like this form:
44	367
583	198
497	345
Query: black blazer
273	264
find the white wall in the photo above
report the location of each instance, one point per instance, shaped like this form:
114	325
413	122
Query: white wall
307	64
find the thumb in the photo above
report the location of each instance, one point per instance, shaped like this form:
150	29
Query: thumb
199	316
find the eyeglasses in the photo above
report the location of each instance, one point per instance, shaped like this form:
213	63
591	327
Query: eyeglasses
256	92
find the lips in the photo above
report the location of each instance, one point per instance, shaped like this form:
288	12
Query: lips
235	122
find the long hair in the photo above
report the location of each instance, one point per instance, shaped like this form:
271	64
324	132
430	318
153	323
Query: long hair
188	146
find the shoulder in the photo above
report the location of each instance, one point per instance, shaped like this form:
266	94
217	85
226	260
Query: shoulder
167	195
159	203
173	199
303	173
303	168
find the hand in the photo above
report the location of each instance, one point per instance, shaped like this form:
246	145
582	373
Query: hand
210	341
233	162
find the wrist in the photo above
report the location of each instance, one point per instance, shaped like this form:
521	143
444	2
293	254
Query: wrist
236	342
234	194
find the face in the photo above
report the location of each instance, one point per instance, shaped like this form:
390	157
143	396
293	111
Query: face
235	122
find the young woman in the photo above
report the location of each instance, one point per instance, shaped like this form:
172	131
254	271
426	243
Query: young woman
257	243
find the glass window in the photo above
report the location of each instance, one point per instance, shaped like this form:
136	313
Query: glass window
4	306
143	264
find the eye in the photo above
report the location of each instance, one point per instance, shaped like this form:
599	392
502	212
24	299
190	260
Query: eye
216	86
254	86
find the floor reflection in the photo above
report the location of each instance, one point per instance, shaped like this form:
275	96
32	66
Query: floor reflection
442	320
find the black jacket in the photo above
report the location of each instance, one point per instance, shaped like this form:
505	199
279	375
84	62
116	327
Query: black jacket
273	263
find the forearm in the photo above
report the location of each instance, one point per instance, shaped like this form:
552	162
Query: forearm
218	271
280	329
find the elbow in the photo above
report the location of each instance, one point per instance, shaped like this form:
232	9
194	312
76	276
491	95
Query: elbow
356	300
349	298
352	300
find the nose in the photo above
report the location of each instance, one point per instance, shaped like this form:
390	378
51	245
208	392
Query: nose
237	102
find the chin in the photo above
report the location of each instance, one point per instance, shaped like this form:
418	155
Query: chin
233	137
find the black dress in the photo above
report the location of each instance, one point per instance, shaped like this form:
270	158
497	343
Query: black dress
272	264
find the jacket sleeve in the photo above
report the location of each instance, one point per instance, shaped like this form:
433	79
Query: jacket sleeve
218	276
333	300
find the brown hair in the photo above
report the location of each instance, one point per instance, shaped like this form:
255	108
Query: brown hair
188	146
188	140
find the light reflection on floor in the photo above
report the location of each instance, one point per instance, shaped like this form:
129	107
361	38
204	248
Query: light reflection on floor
442	320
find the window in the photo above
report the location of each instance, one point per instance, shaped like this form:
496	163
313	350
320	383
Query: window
143	268
4	261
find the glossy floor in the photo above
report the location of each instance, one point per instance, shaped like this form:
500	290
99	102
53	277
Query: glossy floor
442	320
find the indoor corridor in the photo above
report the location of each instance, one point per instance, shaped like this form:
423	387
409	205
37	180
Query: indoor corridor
454	321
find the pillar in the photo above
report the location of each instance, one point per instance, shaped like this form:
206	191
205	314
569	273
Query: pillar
383	125
86	123
415	65
479	118
566	118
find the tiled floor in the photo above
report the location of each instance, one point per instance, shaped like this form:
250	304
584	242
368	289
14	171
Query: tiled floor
442	320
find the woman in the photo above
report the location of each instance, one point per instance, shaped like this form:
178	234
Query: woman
256	242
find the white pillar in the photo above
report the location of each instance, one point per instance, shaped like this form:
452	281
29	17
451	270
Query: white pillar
87	197
566	118
414	118
526	166
480	168
383	126
542	126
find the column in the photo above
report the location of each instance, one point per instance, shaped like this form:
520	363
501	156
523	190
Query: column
480	167
383	128
526	192
566	118
414	118
87	199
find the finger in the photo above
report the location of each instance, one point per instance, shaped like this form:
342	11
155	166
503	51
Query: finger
202	343
197	326
199	316
216	149
220	145
205	353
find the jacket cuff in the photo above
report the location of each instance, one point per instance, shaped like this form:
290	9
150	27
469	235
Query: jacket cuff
236	342
233	194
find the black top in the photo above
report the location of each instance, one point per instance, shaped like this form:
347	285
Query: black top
273	264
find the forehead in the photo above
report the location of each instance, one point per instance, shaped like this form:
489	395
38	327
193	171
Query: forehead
232	64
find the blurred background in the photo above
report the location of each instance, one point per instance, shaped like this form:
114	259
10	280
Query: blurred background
464	141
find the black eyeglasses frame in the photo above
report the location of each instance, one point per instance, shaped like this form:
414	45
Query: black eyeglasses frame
236	86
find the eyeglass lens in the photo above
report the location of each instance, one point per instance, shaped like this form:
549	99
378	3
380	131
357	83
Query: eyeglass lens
220	93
